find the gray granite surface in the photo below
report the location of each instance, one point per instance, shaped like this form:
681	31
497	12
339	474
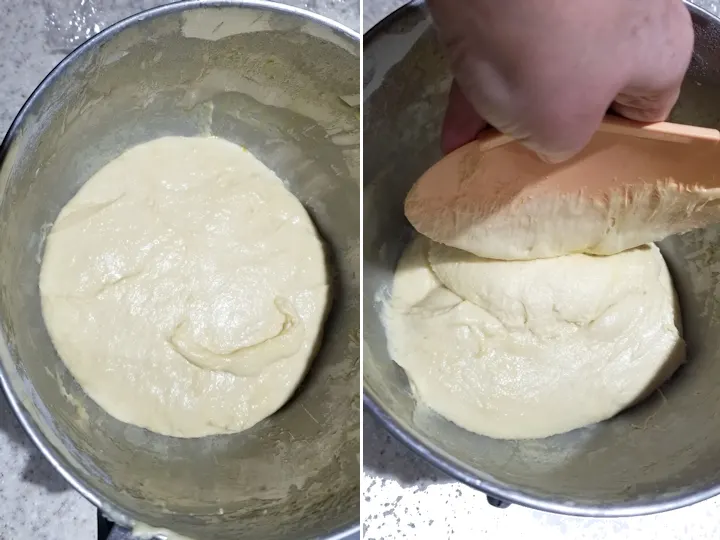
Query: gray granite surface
35	502
405	497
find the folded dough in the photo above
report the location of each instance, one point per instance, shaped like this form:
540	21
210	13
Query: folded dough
501	202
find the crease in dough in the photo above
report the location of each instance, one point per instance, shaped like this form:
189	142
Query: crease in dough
247	360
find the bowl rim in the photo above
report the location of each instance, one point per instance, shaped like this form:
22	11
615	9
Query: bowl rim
117	515
486	483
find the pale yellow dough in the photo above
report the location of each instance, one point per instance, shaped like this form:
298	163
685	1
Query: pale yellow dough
185	288
524	349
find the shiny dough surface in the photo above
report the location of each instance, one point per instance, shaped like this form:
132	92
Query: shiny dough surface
528	349
185	288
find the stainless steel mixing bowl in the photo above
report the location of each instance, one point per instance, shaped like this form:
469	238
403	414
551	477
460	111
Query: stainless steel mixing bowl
285	84
661	454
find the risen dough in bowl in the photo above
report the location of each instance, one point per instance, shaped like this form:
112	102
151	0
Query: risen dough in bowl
523	349
185	288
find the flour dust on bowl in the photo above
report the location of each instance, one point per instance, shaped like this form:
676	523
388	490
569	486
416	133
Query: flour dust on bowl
283	84
657	455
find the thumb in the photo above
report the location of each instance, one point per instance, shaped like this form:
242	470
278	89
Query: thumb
644	107
462	123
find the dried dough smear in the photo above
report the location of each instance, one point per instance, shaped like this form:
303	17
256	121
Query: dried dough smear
185	288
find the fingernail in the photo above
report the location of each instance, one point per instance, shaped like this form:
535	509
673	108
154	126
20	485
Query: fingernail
554	158
545	155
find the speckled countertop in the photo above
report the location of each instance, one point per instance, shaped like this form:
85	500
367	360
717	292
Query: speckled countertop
405	497
35	502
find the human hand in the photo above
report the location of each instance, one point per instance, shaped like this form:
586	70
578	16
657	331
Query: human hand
547	71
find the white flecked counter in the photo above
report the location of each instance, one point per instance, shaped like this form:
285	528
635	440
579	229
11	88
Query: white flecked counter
405	497
35	502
